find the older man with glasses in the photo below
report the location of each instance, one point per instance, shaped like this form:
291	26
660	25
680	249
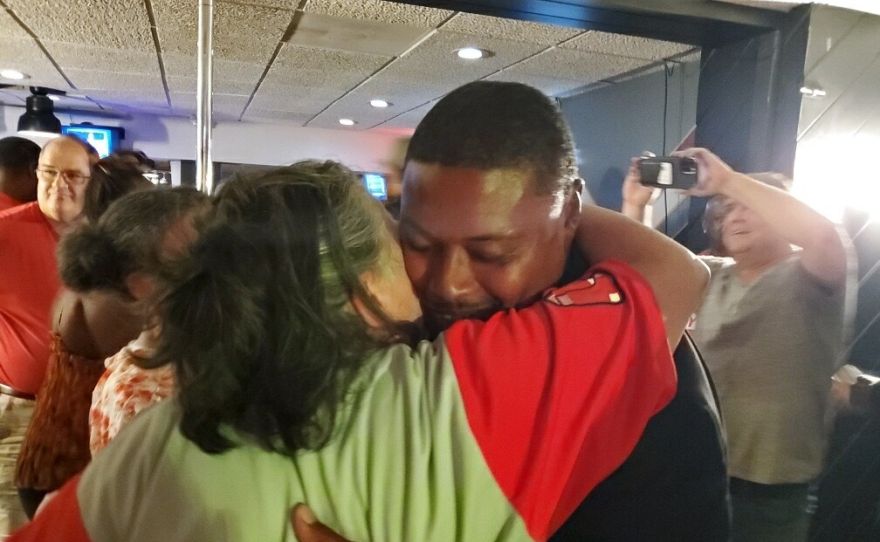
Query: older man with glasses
28	285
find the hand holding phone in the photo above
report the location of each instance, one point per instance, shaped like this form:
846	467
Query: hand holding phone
677	172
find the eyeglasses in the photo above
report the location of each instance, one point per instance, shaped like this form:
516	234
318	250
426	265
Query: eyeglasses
72	177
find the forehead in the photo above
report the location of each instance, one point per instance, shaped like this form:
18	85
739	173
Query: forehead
65	154
460	203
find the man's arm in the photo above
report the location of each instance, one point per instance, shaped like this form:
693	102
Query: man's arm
824	245
676	276
637	197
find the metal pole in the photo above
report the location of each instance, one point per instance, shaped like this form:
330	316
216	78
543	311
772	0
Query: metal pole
204	165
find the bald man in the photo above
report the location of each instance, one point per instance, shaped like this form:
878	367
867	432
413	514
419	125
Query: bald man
18	164
29	284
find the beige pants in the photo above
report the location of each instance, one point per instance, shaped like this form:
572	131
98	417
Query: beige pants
15	415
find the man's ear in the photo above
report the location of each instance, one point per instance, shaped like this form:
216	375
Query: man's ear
572	210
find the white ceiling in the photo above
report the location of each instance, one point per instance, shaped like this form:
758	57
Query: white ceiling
304	62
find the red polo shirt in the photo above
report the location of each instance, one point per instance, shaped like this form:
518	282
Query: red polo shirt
28	285
7	202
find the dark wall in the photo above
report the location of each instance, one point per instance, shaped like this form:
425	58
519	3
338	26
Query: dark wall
620	120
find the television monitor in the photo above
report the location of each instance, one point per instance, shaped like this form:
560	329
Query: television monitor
105	139
375	184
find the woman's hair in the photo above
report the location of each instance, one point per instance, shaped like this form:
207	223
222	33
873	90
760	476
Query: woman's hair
127	238
262	334
111	179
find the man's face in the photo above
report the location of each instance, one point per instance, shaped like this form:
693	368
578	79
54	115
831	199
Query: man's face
742	231
63	174
477	241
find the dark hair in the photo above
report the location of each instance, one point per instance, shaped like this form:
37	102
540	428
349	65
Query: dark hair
19	154
110	181
134	157
127	238
262	336
492	124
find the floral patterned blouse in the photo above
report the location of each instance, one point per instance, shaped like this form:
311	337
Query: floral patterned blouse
124	390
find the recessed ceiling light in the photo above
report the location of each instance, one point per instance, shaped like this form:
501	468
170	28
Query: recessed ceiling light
13	74
379	103
347	122
471	53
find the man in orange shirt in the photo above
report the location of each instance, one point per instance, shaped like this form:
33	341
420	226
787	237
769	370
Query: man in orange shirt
28	285
18	164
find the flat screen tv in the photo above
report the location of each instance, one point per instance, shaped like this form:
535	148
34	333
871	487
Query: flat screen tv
105	139
375	184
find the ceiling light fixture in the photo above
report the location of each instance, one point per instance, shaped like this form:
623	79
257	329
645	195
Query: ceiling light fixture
376	102
53	97
39	118
14	74
471	53
347	122
813	92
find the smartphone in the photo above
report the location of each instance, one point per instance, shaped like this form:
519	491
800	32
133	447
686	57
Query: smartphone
669	172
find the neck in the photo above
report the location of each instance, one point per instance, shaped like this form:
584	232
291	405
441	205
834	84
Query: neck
63	228
752	264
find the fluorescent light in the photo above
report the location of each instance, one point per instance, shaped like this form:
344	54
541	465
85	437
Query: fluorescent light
36	133
379	103
54	97
13	74
470	53
347	122
813	92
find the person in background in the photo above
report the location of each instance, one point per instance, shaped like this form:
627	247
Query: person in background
131	252
134	158
393	173
85	330
289	383
772	329
29	284
18	171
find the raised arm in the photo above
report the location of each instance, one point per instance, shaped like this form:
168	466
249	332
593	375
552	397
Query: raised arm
675	275
636	197
824	244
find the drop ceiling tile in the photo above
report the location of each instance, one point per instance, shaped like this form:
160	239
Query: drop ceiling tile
114	81
629	46
241	32
86	57
119	24
402	95
435	64
128	99
189	85
410	119
293	100
9	28
359	36
25	56
551	86
379	10
577	65
224	105
309	68
509	29
269	115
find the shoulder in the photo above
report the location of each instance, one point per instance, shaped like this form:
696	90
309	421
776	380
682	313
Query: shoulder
717	264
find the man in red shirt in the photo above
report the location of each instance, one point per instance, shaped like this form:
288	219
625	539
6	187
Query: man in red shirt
18	164
28	285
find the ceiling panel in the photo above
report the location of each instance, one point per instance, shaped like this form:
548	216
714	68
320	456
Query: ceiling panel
114	81
410	118
340	33
24	55
224	105
379	10
577	65
119	24
629	46
547	84
10	29
509	29
128	100
88	57
284	117
241	32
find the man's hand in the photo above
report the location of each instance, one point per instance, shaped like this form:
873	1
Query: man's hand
636	196
307	528
712	172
